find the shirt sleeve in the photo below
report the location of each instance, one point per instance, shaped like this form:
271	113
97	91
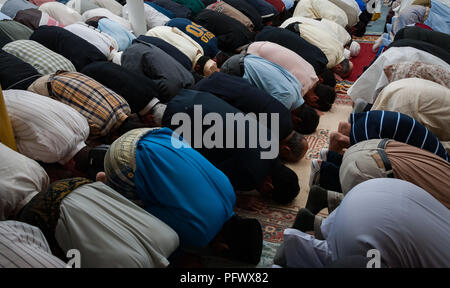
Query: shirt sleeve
301	250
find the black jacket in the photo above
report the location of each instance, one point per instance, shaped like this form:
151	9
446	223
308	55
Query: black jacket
248	11
168	75
15	73
135	88
231	33
76	49
433	37
168	48
179	10
247	98
243	166
294	42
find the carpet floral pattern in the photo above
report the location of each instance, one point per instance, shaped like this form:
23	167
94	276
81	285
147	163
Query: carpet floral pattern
276	218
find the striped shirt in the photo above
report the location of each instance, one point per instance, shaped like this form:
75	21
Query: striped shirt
378	124
44	60
24	246
104	109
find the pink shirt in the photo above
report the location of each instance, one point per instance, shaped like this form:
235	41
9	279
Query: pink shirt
40	2
287	59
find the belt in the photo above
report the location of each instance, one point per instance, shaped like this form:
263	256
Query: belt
241	64
384	157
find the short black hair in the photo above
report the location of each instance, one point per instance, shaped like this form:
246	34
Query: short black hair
326	96
245	239
296	144
310	119
221	57
93	21
293	27
201	62
328	78
130	124
345	64
285	183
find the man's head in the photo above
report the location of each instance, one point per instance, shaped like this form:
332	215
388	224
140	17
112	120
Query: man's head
127	125
354	48
90	160
344	69
221	57
327	78
305	119
152	114
93	21
293	148
206	66
321	97
285	185
244	239
282	185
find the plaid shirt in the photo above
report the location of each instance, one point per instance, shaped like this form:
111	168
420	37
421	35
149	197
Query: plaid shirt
44	60
104	109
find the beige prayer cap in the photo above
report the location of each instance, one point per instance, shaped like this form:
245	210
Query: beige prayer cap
39	86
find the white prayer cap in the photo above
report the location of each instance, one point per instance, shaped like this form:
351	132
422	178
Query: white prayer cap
354	48
347	54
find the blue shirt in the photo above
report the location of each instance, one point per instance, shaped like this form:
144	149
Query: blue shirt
288	4
378	124
11	7
199	34
275	80
182	188
438	17
160	9
123	37
361	4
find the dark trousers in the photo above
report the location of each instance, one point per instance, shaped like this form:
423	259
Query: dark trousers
329	172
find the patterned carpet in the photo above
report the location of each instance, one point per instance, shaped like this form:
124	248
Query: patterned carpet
276	218
377	27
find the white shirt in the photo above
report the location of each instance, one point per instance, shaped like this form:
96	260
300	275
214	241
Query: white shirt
373	80
20	180
105	43
354	4
153	17
315	33
413	234
46	130
331	27
112	5
108	14
60	12
24	246
321	9
111	231
179	39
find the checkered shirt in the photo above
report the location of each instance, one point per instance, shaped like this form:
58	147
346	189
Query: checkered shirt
104	109
44	60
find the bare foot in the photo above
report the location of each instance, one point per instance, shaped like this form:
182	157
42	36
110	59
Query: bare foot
344	128
338	142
